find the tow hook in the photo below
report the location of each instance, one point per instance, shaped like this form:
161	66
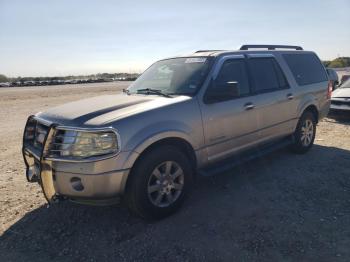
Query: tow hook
57	198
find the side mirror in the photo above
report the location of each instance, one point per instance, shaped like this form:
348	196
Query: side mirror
219	92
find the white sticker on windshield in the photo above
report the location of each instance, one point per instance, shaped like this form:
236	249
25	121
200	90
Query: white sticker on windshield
195	60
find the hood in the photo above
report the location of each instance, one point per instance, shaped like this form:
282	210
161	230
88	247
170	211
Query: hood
102	110
341	93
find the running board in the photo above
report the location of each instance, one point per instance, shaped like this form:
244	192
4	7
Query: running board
243	157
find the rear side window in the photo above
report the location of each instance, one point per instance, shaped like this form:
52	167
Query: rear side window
267	75
306	68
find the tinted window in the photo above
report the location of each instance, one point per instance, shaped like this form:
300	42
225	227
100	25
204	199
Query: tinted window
306	68
267	75
234	71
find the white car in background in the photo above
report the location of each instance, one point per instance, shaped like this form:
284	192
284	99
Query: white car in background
6	84
340	101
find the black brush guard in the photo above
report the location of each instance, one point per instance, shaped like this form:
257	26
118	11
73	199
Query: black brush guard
37	168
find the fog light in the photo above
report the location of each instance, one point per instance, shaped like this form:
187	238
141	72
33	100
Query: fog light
76	184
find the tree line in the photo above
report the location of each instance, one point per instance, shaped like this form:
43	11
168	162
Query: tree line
338	62
116	76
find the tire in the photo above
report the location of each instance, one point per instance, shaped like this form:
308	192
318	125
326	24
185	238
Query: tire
158	183
304	134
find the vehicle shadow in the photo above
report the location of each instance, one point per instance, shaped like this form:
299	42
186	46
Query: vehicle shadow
278	207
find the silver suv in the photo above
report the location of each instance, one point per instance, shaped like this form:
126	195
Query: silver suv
184	116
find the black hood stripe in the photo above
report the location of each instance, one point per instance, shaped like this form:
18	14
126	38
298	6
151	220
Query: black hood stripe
97	113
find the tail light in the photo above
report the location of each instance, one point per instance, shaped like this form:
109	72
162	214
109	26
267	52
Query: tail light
329	91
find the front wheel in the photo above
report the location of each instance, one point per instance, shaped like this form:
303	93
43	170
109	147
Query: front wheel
159	183
304	135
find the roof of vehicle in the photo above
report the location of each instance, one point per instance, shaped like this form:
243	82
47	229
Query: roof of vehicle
252	49
248	49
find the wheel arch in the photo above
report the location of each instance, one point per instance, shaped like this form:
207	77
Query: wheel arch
313	109
176	141
179	142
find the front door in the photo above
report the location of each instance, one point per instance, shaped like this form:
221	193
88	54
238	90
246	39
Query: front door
229	118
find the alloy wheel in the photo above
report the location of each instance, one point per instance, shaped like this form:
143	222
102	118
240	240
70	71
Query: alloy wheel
307	132
165	184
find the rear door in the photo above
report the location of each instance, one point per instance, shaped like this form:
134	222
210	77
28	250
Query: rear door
275	104
230	124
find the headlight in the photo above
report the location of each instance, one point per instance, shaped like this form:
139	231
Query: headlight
83	144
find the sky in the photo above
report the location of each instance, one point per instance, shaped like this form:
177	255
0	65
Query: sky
73	37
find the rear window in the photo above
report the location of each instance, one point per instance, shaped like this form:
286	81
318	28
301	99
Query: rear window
306	68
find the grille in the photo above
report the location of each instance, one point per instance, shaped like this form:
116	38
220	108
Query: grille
35	133
340	102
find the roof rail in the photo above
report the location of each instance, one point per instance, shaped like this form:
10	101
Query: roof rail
202	51
271	47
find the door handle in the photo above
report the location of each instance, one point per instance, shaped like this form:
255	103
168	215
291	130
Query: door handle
249	106
290	96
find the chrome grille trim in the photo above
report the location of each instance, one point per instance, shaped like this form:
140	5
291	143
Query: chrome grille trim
340	102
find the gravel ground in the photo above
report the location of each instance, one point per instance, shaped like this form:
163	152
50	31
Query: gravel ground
282	207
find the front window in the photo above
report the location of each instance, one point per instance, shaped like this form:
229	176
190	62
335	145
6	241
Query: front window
177	76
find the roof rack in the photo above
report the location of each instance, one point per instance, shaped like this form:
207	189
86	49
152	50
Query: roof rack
202	51
271	47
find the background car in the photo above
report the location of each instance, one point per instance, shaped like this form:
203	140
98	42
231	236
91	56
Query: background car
4	84
340	101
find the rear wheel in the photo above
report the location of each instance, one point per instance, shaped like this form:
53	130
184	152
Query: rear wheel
305	133
159	183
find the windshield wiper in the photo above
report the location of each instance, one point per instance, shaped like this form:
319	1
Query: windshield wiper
148	91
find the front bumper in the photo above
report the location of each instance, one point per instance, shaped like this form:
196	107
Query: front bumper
96	180
339	108
83	186
340	105
339	112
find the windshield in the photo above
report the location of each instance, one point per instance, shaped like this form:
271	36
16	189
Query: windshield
177	76
346	84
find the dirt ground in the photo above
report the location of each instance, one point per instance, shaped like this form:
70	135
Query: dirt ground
282	207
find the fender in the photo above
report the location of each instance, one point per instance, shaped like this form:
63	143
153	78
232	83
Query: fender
163	135
308	100
142	146
159	130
